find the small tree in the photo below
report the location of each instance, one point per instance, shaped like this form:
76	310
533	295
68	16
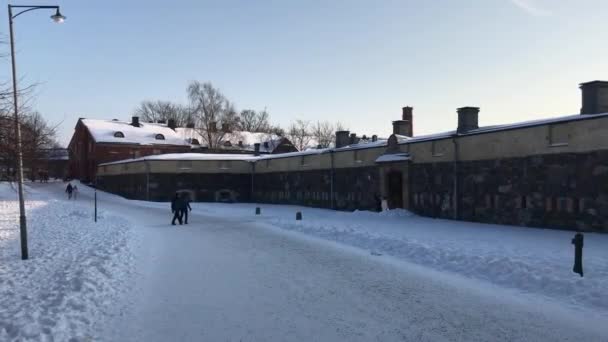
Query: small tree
210	108
299	133
324	133
252	121
152	111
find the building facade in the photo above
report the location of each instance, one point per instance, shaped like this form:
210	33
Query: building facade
546	173
101	141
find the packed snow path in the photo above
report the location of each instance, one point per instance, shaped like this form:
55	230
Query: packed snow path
229	279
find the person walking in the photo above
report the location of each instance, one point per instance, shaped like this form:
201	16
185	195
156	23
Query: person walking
176	209
185	202
75	192
69	190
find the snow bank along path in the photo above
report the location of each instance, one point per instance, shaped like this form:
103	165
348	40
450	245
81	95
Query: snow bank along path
74	275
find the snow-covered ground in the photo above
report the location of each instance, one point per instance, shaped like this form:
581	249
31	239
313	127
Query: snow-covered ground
335	276
75	273
530	260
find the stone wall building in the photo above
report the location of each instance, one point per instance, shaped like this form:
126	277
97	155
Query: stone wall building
545	173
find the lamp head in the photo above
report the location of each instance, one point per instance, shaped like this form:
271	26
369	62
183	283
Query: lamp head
58	17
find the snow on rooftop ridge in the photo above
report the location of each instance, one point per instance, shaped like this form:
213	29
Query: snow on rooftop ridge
395	157
103	132
186	156
503	127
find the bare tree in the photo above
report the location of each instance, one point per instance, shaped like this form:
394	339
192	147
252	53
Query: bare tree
252	121
210	108
36	137
324	133
340	127
152	111
299	133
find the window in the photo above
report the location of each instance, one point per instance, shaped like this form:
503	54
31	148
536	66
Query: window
184	164
558	135
436	150
225	164
136	153
194	142
155	151
267	163
357	156
160	137
304	161
119	135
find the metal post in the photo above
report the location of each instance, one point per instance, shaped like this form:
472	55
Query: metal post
22	220
95	196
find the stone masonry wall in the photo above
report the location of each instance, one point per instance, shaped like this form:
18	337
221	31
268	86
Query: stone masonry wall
354	188
564	191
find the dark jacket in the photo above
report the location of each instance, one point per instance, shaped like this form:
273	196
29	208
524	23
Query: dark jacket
68	189
175	203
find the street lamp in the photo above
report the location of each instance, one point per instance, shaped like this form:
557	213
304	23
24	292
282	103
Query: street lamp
58	18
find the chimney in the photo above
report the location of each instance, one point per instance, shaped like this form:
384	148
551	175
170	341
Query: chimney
171	124
595	97
161	122
374	138
212	126
256	149
408	115
135	121
352	139
225	127
266	145
341	138
190	125
404	126
468	118
240	143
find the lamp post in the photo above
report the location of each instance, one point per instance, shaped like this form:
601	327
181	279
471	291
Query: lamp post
58	18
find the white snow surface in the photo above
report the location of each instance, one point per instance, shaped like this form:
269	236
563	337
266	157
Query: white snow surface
529	260
395	157
188	156
230	275
75	272
103	132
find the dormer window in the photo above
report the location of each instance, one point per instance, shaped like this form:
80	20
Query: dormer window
119	135
194	142
160	137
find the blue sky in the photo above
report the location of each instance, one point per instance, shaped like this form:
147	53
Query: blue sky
357	62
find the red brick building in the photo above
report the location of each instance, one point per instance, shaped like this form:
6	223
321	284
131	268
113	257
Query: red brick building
101	141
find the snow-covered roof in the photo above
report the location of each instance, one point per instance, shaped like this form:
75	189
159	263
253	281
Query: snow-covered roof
105	131
364	144
496	128
188	156
395	157
247	139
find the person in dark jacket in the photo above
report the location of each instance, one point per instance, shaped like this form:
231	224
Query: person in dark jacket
176	205
69	190
185	206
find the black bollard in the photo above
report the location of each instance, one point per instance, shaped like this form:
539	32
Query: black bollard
577	241
258	211
299	216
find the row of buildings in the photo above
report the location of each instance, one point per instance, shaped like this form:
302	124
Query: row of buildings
545	173
100	141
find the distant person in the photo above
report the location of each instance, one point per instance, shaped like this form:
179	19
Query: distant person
75	191
69	189
176	209
185	207
384	204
